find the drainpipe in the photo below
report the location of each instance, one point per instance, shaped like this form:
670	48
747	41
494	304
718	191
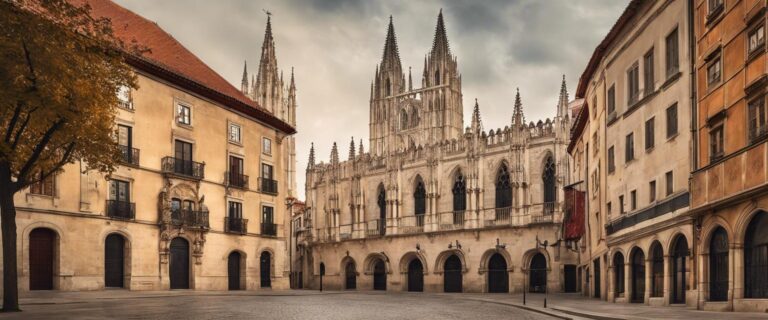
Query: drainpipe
694	145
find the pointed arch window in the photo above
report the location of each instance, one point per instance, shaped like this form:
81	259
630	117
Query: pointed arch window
503	187
459	193
420	201
382	202
437	77
403	119
550	190
389	88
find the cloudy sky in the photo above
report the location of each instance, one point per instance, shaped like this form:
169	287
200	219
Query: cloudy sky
335	46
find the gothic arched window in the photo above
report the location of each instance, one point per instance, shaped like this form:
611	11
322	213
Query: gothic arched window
382	202
420	201
459	193
437	77
503	188
389	88
718	266
756	257
403	119
550	191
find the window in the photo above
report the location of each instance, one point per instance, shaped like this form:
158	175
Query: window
45	187
550	182
268	226
235	210
125	143
633	85
652	191
183	114
716	143
669	177
266	171
119	191
648	72
420	201
503	187
714	71
234	133
649	133
611	160
756	120
633	200
235	174
672	120
629	152
715	8
621	204
673	55
612	100
403	119
124	97
266	146
608	208
756	38
459	193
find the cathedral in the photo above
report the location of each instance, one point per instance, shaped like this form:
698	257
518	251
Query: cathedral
433	205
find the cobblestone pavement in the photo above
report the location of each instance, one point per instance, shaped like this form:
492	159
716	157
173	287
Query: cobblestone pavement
197	305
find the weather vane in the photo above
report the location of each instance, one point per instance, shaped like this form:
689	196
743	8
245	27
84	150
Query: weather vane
267	12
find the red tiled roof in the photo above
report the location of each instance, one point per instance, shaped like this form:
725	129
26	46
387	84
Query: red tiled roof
171	61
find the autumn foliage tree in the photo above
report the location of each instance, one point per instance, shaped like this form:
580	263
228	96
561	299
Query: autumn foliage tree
60	69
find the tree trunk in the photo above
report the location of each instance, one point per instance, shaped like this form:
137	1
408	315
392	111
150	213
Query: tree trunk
10	274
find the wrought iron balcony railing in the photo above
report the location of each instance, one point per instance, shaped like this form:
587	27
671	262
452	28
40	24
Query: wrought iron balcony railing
235	225
268	229
121	209
376	228
237	180
129	155
190	218
268	185
187	168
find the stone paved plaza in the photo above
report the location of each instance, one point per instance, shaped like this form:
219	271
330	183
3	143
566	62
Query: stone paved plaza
123	304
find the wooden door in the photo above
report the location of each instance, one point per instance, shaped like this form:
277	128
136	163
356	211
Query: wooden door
179	264
41	254
114	261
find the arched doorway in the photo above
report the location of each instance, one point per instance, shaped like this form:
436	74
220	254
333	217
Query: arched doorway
415	276
114	261
233	270
718	266
618	274
265	265
638	276
537	281
756	257
679	256
657	270
452	277
498	276
41	258
350	276
179	264
379	275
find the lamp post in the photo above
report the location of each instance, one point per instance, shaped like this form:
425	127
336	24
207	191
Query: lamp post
544	245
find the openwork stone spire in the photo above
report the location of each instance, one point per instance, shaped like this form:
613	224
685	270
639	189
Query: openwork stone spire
477	125
518	119
440	46
334	154
244	83
311	161
361	150
352	149
268	87
391	57
562	104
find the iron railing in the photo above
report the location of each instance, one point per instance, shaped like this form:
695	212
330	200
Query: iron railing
237	180
548	208
345	231
375	228
268	185
411	224
129	155
498	216
235	225
268	229
451	220
190	218
121	209
187	168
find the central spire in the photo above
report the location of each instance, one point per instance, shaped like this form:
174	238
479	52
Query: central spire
440	43
391	58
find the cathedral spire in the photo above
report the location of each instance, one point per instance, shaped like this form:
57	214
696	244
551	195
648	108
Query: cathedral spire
268	89
391	58
361	148
352	149
244	83
518	119
440	46
334	154
311	161
562	104
476	124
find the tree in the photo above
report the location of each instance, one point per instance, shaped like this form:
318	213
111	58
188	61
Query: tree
59	75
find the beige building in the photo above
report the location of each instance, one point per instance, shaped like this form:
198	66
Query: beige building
198	201
434	205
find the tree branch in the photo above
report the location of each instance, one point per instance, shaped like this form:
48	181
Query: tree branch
21	129
24	172
12	124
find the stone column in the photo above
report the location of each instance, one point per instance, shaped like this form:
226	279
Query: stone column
648	279
667	278
628	281
737	282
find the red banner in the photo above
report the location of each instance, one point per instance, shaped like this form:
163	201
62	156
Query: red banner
574	206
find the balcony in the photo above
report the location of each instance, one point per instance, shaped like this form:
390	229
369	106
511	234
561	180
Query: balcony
184	168
190	218
498	216
129	155
235	225
236	180
411	224
375	228
268	229
548	208
268	185
453	220
121	209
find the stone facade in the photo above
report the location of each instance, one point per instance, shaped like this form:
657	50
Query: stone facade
180	211
432	205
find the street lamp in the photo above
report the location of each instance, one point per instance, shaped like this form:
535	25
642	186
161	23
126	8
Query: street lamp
543	245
